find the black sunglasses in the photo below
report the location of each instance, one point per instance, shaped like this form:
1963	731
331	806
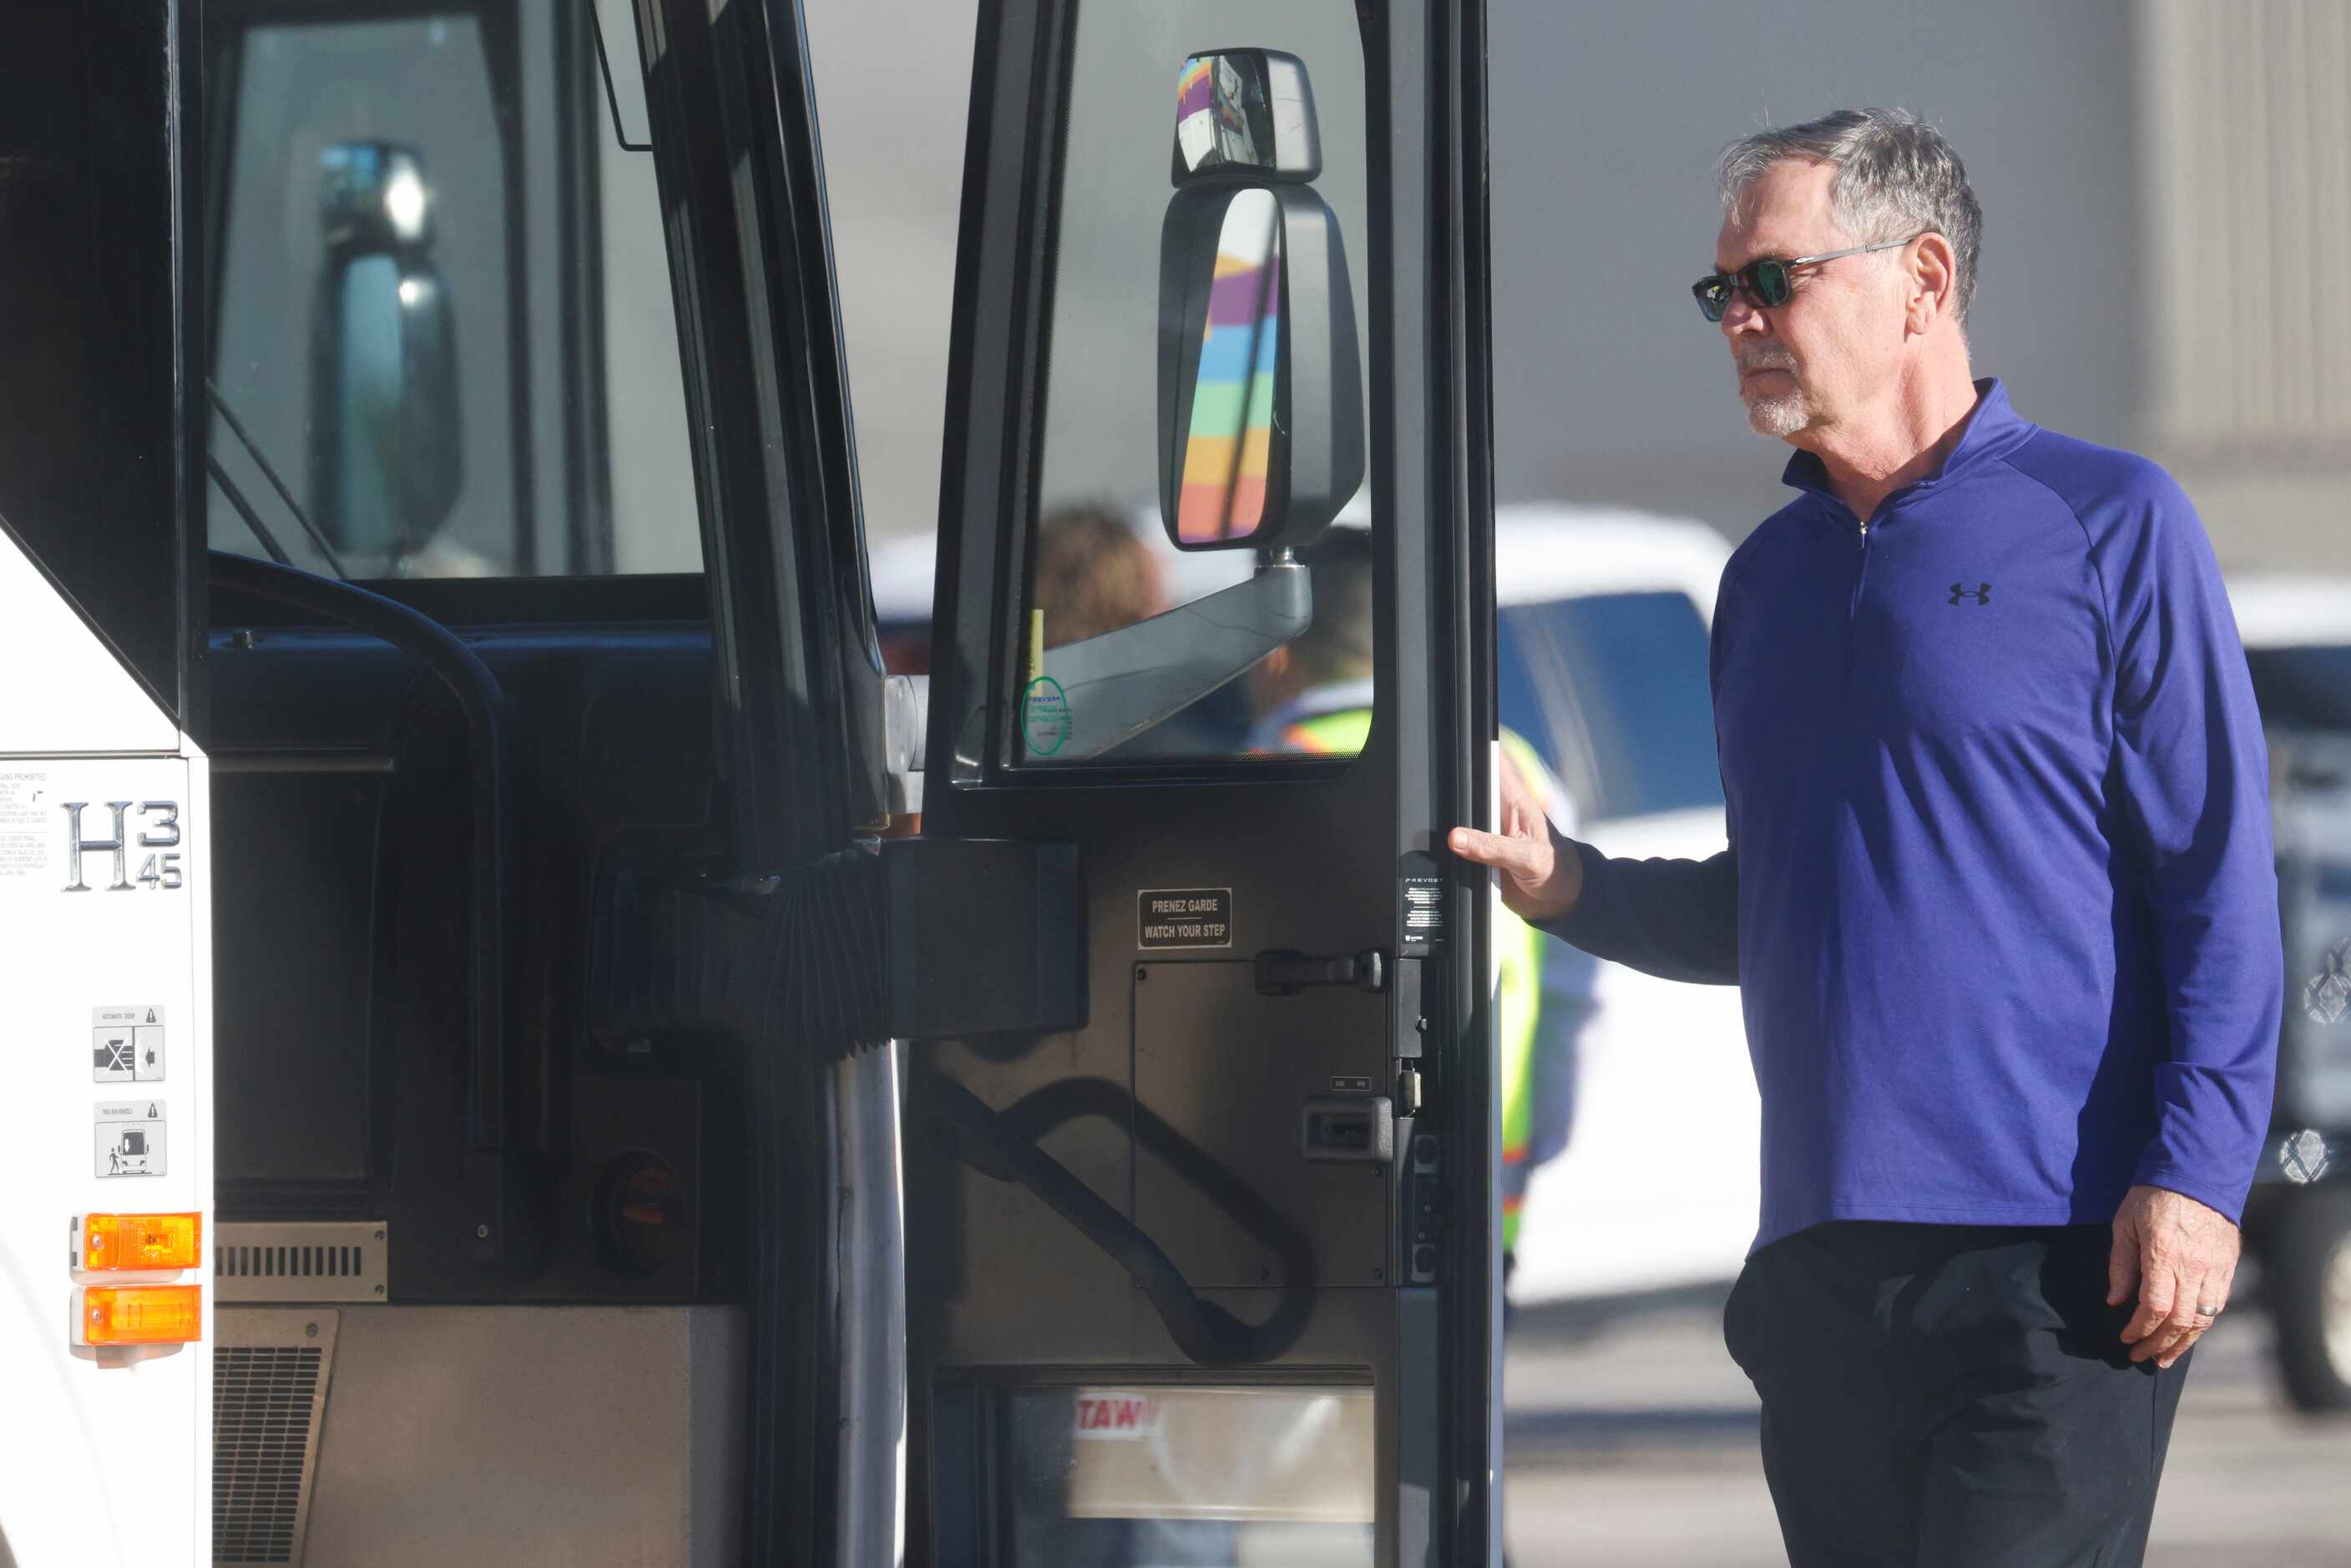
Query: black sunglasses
1768	280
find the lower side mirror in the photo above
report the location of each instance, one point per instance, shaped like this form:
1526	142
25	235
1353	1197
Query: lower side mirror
387	457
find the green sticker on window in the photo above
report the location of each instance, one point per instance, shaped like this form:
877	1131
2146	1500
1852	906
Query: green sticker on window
1045	716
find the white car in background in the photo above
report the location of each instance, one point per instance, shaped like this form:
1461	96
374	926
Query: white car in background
1601	665
1601	648
2297	1232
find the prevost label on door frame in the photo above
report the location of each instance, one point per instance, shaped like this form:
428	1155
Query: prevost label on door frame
1185	918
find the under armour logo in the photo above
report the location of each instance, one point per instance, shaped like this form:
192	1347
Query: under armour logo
1981	593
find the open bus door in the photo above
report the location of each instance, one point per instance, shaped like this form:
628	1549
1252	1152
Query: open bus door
1199	1244
1205	1270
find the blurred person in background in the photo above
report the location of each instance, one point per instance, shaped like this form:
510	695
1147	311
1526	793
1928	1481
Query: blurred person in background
1999	894
1093	574
1547	997
1313	695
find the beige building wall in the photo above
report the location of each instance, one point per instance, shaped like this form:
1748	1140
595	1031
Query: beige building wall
2246	120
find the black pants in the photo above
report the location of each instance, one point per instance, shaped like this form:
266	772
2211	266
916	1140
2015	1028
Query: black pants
1945	1394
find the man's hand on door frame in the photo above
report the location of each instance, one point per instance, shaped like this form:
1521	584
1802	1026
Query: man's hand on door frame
1541	877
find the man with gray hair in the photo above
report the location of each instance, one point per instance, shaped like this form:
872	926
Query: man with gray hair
1998	897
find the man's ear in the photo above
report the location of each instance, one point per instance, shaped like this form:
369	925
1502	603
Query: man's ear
1934	275
1276	663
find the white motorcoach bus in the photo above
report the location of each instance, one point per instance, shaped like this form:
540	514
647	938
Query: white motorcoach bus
490	1073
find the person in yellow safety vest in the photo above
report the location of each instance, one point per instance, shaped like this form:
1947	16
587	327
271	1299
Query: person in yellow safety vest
1547	999
1315	695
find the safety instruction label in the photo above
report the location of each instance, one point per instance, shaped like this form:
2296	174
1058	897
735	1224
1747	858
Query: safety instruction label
128	1139
1185	918
126	1044
25	809
1424	908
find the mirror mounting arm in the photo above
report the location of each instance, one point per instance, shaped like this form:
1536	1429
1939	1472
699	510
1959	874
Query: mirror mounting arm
1121	683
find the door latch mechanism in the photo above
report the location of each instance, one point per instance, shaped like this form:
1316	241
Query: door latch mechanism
1282	973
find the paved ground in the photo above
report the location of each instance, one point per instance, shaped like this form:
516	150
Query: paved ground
1632	1440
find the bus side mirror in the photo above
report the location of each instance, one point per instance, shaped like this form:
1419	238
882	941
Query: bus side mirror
1261	378
387	458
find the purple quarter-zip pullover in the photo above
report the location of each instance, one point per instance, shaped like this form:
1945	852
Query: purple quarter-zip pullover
2000	895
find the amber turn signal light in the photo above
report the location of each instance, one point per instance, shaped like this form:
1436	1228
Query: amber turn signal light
137	1314
139	1241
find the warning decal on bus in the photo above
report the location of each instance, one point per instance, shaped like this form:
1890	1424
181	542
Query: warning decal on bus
1185	918
130	1139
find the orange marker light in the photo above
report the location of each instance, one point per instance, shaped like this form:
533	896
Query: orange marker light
139	1314
113	1241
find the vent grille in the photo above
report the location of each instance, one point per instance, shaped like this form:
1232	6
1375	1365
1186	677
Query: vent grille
269	1382
299	1261
262	1397
288	1262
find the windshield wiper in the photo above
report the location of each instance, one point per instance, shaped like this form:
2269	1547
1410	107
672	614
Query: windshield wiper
244	508
612	98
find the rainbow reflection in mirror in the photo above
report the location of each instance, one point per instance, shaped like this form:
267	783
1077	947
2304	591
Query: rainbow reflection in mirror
1230	437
